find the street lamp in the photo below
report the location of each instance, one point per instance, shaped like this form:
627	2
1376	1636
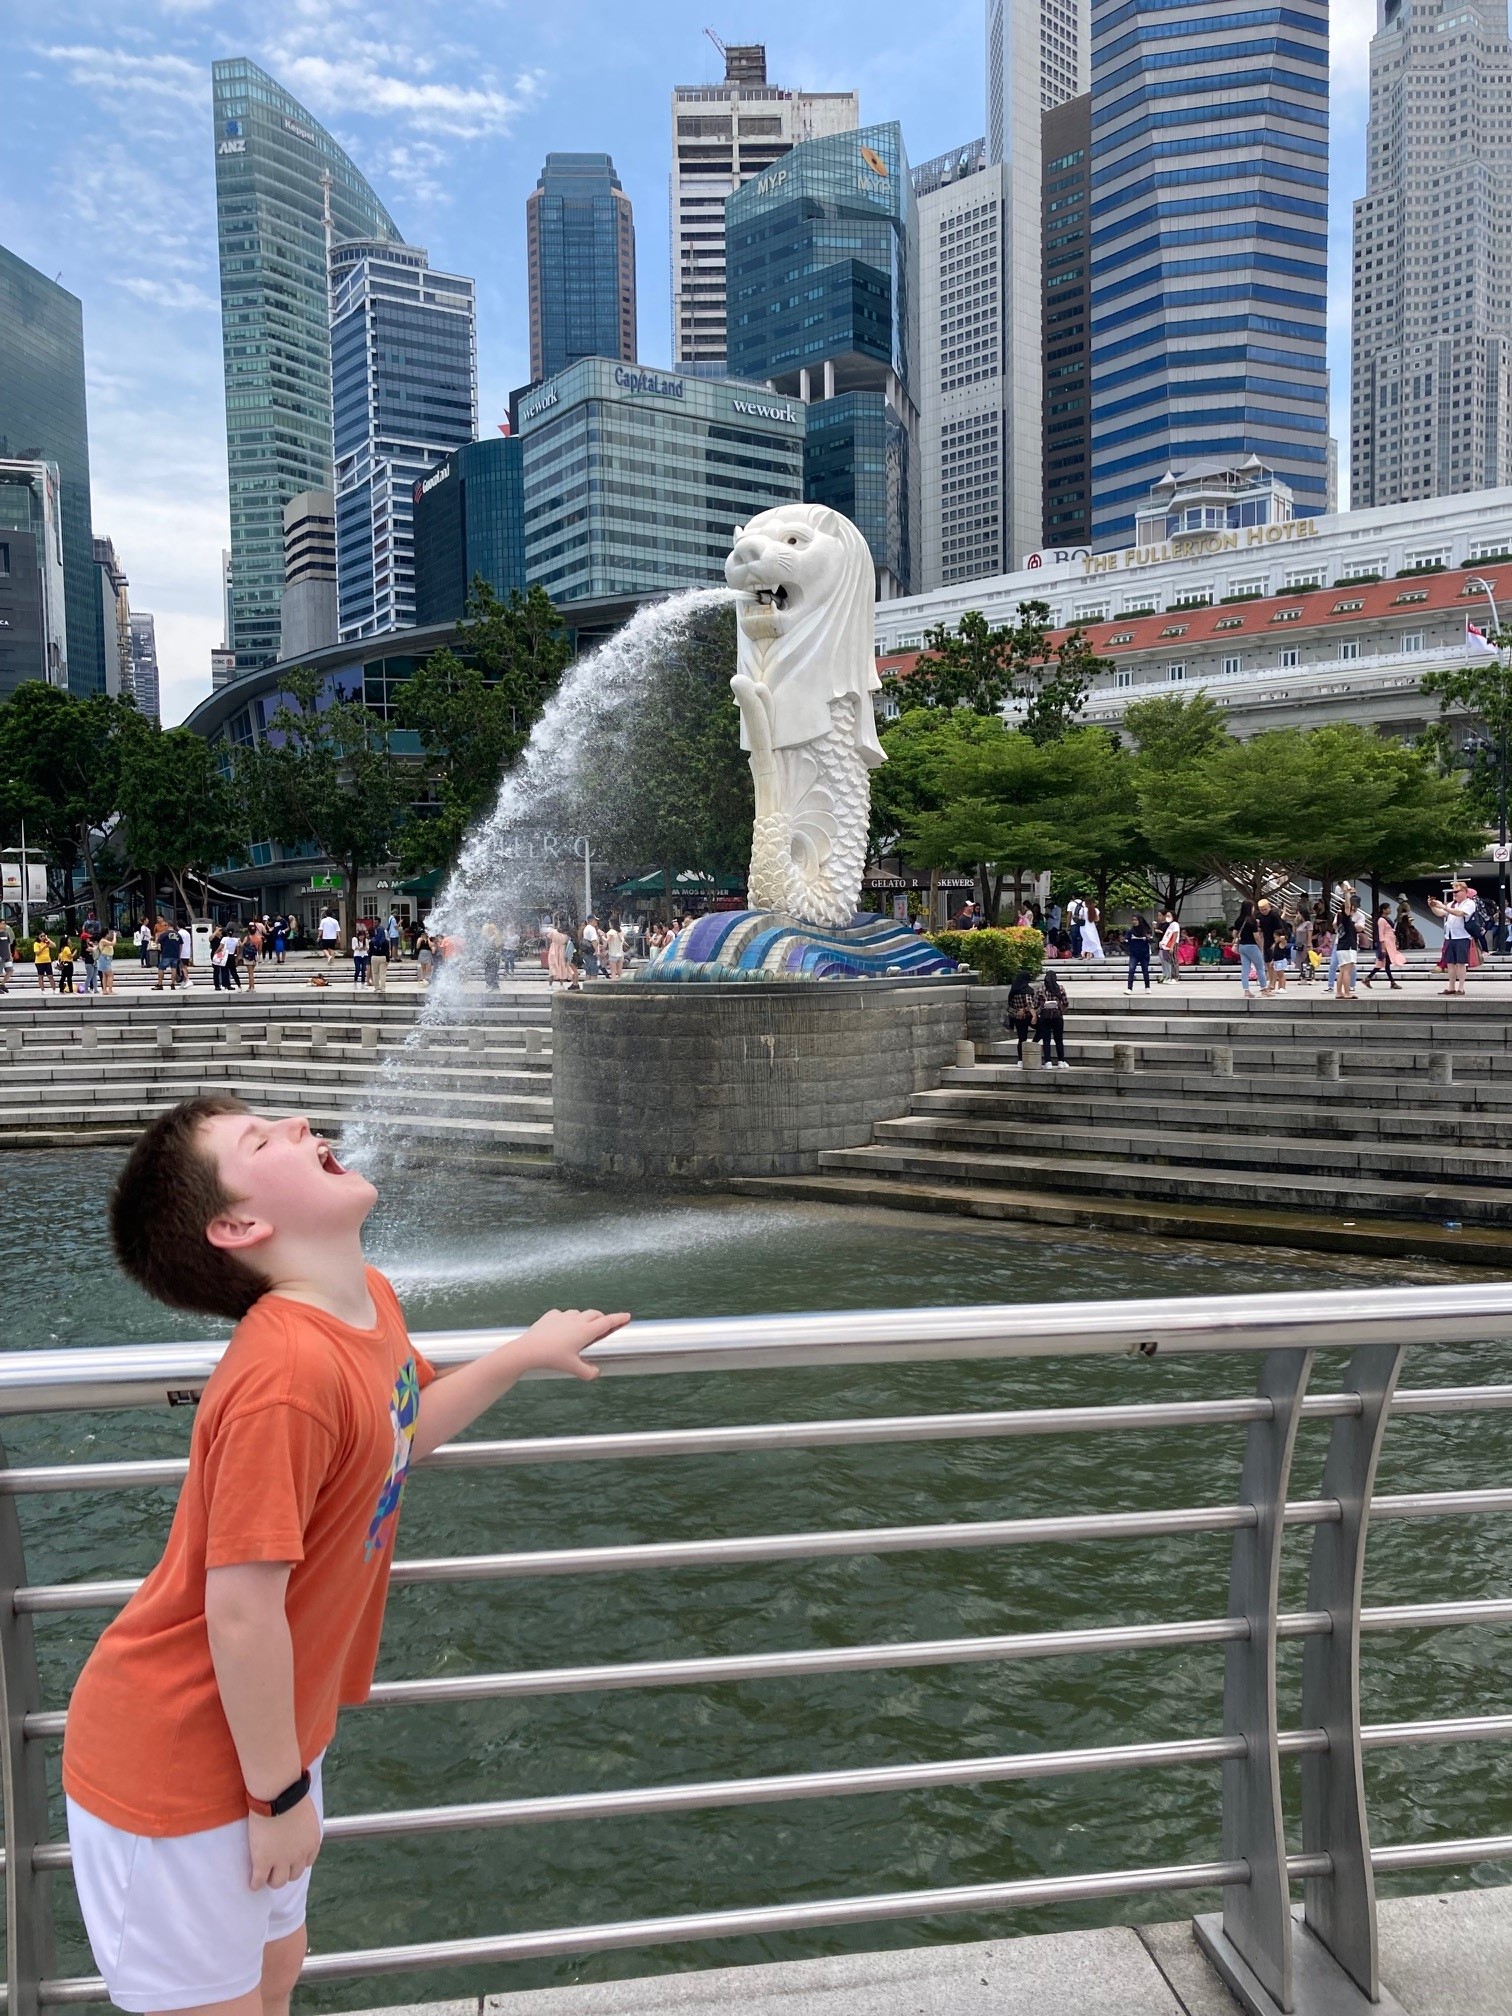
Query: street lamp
1501	768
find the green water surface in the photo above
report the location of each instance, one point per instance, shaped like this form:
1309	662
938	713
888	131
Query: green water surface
468	1250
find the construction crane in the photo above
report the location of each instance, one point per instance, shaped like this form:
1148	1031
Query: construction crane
723	54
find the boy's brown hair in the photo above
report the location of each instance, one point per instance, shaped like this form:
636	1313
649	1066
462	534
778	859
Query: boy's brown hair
163	1202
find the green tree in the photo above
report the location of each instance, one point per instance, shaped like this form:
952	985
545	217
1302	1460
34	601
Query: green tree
984	669
60	760
1009	806
325	774
1326	802
179	815
473	705
1171	734
1481	694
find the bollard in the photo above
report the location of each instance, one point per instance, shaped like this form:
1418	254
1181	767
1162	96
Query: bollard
1328	1063
233	1035
13	1042
1123	1057
165	1038
965	1055
317	1038
89	1036
1441	1068
369	1036
476	1038
535	1042
1221	1057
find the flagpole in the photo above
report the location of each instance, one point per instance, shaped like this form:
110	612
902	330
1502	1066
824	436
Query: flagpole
1501	768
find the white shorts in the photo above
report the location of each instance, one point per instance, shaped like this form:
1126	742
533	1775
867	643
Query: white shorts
173	1921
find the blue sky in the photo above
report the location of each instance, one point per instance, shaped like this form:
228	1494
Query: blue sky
106	179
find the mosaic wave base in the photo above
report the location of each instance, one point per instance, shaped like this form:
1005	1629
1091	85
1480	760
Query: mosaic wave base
764	945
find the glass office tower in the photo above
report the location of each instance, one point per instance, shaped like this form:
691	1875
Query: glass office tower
404	385
42	419
580	240
635	480
822	258
469	520
278	176
1209	247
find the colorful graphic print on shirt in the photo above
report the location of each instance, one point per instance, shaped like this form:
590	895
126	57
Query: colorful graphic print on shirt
404	1412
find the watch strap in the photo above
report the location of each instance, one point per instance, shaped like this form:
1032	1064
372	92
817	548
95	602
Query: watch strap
270	1809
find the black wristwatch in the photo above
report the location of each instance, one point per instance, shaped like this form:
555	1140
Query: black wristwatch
269	1809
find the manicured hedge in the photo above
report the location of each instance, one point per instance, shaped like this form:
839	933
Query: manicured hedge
997	954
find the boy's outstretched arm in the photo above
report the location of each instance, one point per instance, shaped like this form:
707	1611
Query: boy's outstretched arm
555	1342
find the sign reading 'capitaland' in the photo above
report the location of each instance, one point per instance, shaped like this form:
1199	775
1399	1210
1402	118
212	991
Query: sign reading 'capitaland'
648	381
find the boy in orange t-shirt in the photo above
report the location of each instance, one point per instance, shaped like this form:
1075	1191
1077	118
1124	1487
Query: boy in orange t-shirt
191	1759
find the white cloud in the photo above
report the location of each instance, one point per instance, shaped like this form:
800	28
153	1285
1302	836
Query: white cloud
177	295
392	80
115	73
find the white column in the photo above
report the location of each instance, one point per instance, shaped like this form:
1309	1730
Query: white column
803	384
829	377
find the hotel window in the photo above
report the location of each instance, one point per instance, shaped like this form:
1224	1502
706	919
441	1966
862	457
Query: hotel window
1123	637
1349	647
1313	578
1143	605
1092	612
1175	672
1286	658
1125	678
1410	595
1344	608
1413	641
1229	623
1232	667
1256	586
1174	630
1286	615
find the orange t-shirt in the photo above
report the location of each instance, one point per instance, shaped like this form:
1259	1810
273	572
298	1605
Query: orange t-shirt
300	1450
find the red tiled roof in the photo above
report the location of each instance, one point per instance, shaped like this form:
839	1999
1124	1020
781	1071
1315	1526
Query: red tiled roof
1376	600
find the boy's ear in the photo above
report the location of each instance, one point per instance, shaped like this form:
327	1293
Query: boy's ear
232	1233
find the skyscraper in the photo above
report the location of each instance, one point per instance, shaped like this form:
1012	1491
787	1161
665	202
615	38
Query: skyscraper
580	246
1431	350
307	613
33	599
111	585
723	135
43	419
404	381
1066	326
1209	249
144	665
470	521
278	177
963	393
1037	58
823	305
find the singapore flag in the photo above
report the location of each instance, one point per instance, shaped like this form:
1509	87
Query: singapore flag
1476	638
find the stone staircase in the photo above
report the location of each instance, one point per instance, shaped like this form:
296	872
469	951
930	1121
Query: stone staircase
97	1071
1382	1126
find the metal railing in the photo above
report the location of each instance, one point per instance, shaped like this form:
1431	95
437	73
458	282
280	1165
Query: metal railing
1314	1959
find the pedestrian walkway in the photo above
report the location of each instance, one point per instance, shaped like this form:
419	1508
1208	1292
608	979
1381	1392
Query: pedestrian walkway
1443	1955
1383	1125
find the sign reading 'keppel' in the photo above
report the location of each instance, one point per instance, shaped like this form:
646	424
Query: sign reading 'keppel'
648	381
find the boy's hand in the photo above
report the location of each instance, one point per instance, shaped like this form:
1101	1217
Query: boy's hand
282	1849
557	1340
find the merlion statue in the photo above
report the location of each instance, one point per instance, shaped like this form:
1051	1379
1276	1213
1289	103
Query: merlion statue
804	682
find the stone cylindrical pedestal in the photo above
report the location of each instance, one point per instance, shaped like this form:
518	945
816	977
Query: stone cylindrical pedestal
1328	1063
1441	1068
699	1082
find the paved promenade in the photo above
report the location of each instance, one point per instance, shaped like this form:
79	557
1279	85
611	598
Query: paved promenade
1441	1955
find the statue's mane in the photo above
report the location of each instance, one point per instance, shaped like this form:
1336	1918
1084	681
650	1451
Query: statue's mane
831	635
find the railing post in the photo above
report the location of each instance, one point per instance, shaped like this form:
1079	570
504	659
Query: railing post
28	1901
1340	1908
1251	1944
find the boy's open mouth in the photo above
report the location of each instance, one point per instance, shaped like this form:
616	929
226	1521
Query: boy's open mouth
328	1160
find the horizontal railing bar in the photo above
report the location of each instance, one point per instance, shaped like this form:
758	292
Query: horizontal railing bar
641	1444
1072	1529
1022	1894
1442	1854
721	1671
145	1374
855	1783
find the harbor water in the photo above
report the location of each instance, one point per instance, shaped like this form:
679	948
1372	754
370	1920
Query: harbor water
476	1250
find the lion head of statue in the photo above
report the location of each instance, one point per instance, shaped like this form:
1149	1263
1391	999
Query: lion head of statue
806	585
